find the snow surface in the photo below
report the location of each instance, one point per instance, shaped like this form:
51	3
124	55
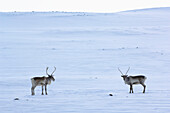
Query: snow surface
87	49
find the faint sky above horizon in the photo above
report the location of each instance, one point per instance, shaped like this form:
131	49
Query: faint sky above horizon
80	5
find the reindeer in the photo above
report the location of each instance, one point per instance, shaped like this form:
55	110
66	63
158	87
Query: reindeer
42	81
132	80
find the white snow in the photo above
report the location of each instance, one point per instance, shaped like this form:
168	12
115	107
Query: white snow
86	49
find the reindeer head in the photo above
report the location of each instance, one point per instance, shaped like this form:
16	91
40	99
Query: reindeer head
124	75
51	76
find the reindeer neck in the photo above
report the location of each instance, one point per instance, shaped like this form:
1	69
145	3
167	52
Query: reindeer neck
48	80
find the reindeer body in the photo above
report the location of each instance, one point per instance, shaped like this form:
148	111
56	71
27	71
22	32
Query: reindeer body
133	80
41	81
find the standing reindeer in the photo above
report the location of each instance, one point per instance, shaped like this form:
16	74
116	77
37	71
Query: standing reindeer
132	80
42	81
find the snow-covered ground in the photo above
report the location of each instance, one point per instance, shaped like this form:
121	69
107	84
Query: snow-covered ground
86	49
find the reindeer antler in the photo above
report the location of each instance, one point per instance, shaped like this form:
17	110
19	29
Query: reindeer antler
53	71
127	70
46	71
120	71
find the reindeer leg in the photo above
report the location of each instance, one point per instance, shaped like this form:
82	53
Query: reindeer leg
46	89
42	90
131	88
32	90
144	86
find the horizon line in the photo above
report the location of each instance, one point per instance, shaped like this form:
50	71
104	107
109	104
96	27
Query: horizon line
52	11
